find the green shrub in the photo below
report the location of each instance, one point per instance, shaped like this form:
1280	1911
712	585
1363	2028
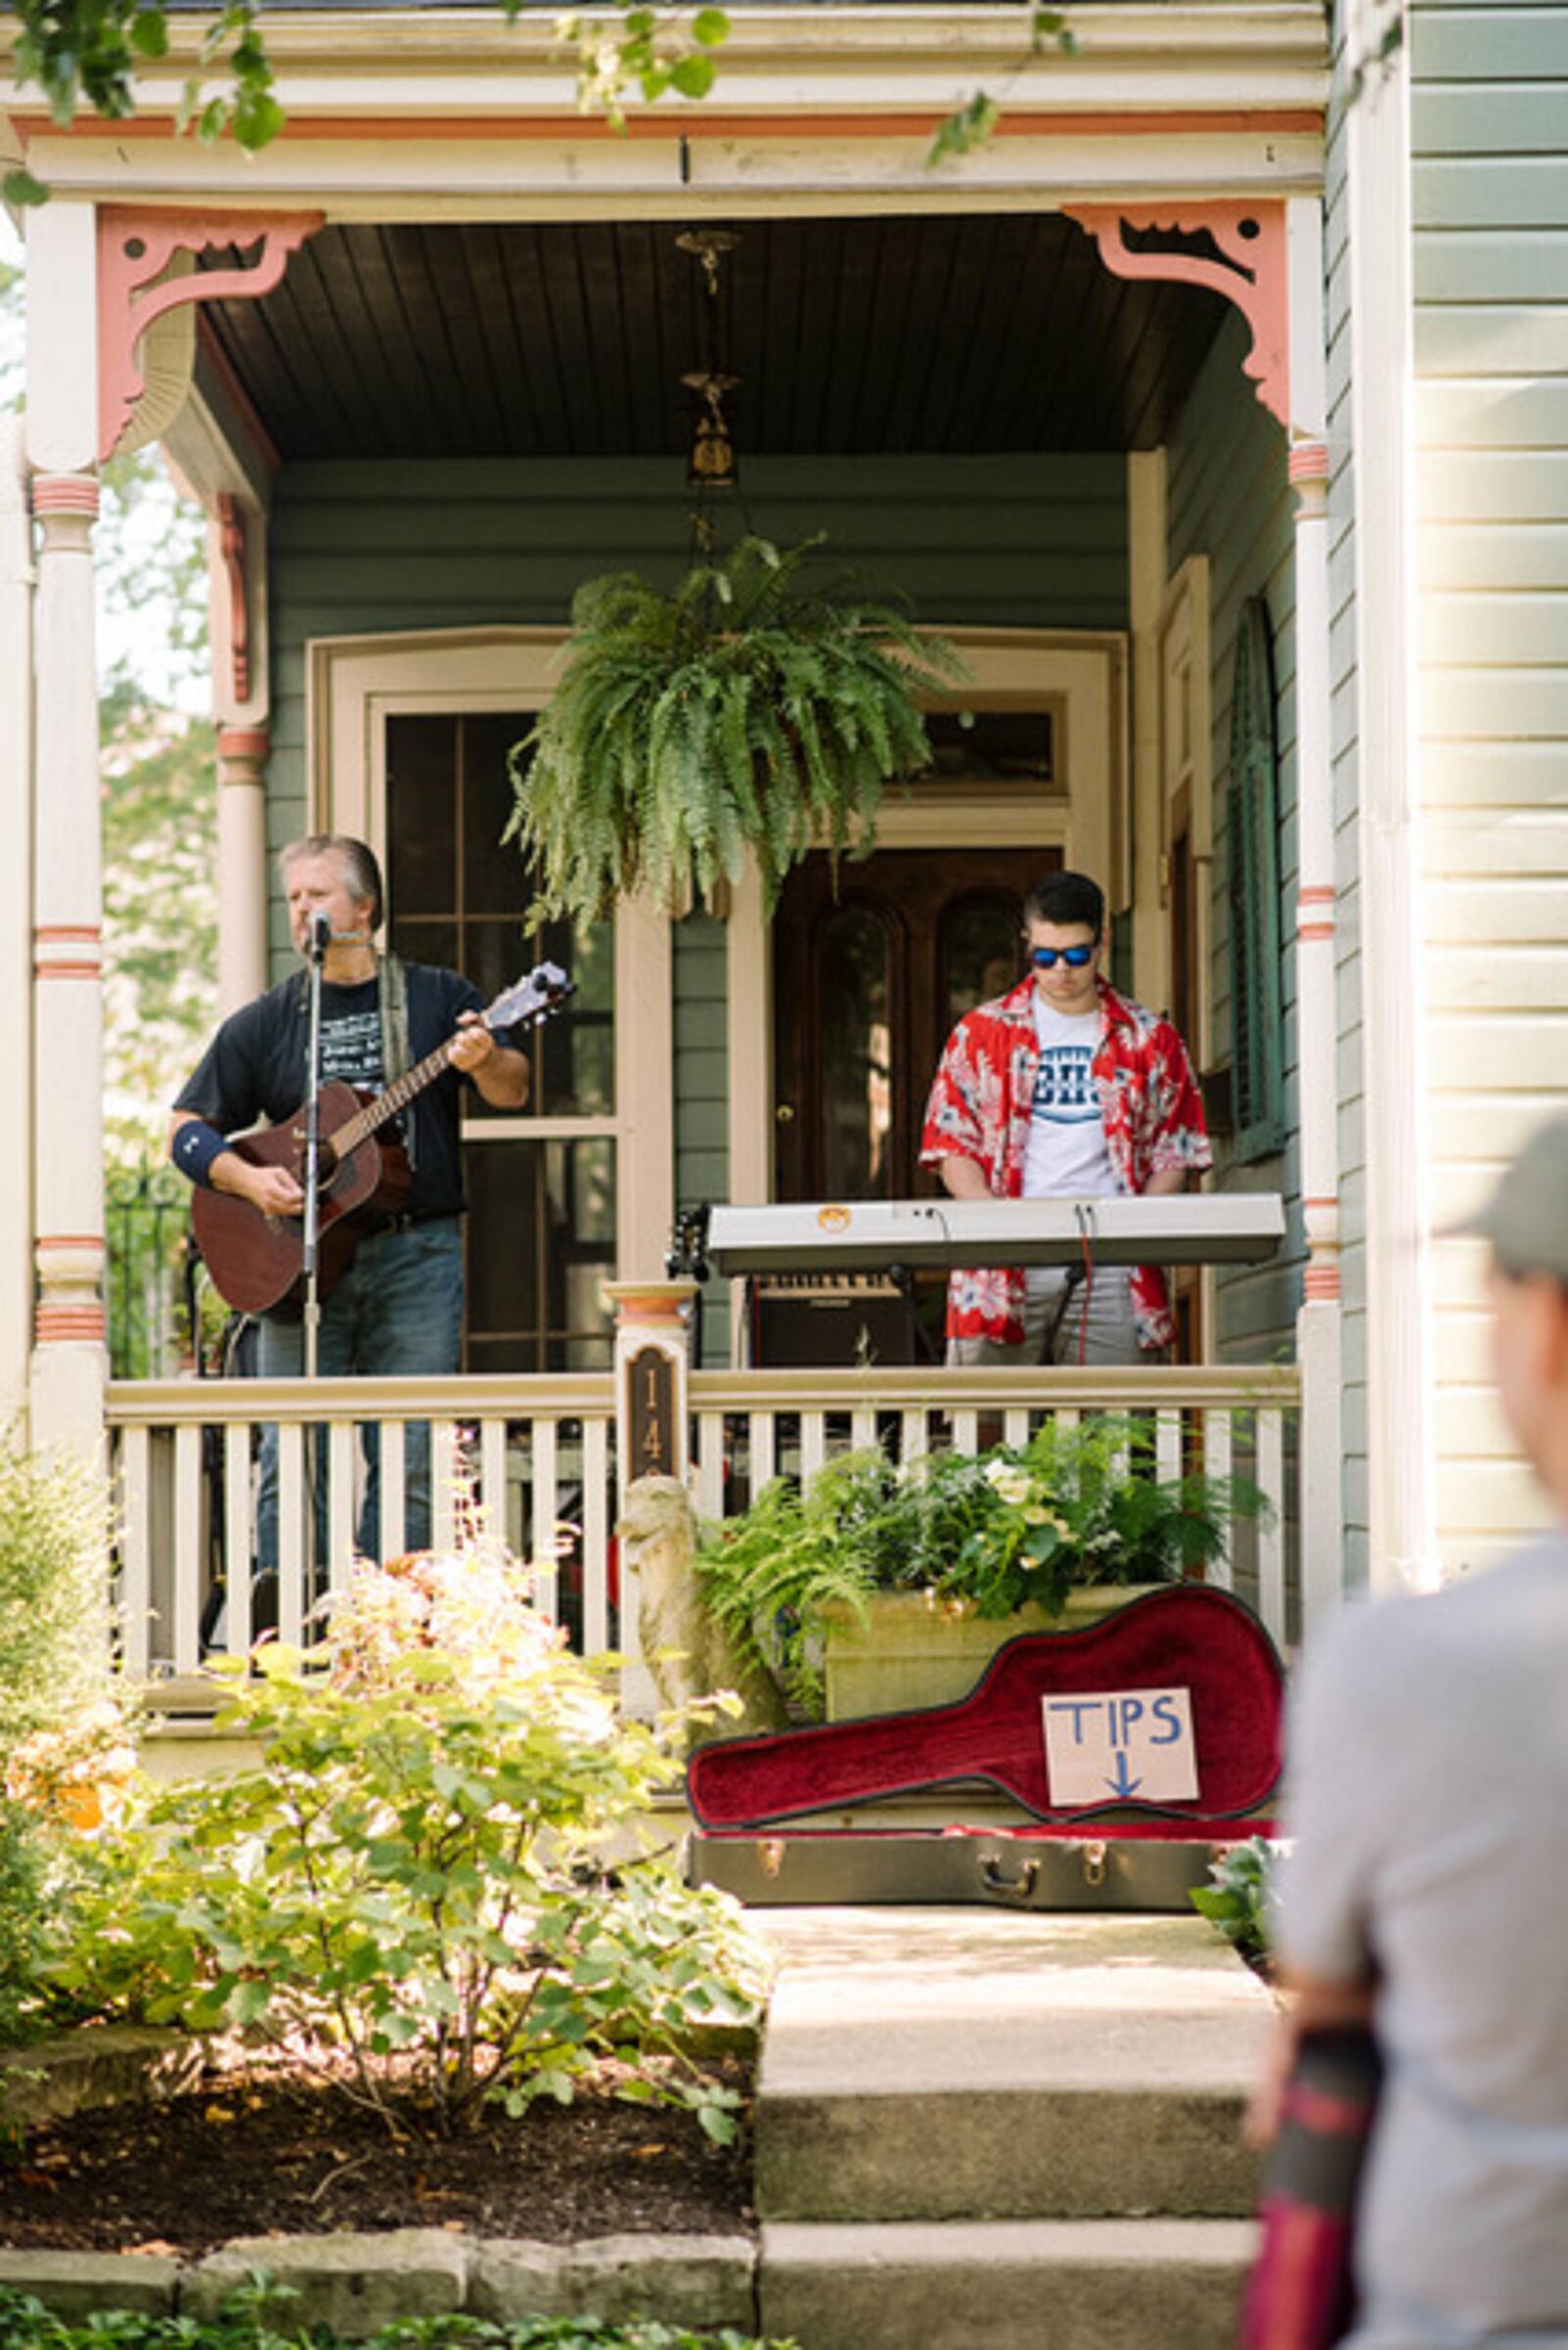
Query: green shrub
1241	1900
435	1872
64	1724
995	1533
255	2318
53	1589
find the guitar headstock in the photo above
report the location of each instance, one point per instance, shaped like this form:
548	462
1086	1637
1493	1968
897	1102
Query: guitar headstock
543	990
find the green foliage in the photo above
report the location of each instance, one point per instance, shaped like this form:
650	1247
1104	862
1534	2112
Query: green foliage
435	1871
993	1533
754	708
1241	1900
256	2316
973	124
54	1591
88	50
653	50
23	1894
61	1718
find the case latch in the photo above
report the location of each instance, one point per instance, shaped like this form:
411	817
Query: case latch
1009	1889
1094	1860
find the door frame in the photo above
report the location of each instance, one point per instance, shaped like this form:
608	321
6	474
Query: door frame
353	685
1080	672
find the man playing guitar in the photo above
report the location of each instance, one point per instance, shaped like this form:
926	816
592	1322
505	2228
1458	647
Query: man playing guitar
396	1307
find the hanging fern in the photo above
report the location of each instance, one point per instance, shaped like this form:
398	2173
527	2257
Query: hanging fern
749	710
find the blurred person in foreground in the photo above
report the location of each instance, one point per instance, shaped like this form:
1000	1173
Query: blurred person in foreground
1428	1890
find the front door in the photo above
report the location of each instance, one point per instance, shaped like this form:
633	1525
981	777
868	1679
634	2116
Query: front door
871	970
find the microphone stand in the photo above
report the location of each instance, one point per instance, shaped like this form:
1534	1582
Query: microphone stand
312	1176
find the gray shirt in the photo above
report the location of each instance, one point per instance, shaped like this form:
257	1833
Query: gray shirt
1429	1797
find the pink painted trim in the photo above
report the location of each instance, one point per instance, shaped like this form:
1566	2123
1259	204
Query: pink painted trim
1251	271
43	970
66	494
1321	1199
70	1239
1309	461
135	247
243	741
1321	1281
55	1325
68	930
232	549
1315	930
1315	893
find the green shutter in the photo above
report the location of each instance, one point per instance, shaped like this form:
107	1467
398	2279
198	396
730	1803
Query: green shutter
1252	836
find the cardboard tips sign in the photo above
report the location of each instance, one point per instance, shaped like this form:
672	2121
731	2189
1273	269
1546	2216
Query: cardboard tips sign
1110	1746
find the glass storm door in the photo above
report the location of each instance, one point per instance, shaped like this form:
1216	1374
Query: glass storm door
541	1182
868	978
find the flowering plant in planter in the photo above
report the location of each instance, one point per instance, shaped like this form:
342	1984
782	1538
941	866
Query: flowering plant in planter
1012	1528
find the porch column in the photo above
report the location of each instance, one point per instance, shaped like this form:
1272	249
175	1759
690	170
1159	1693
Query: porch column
1401	1446
241	865
239	620
1319	1323
16	920
70	1361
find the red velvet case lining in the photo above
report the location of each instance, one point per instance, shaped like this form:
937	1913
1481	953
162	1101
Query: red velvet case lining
1189	1637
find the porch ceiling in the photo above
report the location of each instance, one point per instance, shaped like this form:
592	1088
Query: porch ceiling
855	337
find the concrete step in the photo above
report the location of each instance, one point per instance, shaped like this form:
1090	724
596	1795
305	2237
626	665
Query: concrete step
1040	2285
953	2065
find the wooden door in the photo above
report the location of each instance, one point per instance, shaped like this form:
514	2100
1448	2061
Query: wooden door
870	971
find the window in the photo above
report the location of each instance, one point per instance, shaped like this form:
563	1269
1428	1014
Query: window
542	1225
1252	842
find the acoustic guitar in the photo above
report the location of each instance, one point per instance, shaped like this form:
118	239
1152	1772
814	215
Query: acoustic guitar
257	1260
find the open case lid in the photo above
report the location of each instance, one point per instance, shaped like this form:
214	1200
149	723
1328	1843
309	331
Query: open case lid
1189	1637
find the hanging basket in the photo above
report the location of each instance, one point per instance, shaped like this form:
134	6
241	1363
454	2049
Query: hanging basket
752	712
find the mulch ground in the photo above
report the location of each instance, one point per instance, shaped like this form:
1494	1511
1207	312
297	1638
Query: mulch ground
258	2156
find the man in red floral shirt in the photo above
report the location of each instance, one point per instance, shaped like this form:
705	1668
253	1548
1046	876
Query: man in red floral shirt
1062	1089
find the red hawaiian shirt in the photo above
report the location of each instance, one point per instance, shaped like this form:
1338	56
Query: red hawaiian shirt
980	1108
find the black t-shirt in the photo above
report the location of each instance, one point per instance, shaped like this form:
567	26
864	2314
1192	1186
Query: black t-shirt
255	1067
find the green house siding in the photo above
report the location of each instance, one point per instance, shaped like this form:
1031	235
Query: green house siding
1489	206
1228	500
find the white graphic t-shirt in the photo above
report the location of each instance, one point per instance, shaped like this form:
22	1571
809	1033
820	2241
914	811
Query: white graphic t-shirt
1066	1157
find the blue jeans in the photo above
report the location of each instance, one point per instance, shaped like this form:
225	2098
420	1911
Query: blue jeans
396	1312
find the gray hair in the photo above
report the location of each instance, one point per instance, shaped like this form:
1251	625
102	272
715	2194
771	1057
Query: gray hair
362	873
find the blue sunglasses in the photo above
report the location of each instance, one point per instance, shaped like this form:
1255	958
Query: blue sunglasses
1045	958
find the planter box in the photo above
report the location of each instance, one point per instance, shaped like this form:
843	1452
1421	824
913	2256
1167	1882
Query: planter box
908	1653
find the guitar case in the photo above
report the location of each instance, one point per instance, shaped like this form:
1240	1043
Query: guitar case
794	1817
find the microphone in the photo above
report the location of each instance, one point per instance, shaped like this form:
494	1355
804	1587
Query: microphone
318	935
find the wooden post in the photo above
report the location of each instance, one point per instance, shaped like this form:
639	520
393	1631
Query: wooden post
652	1426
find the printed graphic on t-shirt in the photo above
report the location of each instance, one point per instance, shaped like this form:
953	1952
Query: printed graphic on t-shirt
351	1051
1064	1091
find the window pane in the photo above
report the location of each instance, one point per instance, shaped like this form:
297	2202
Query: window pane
461	899
421	788
541	1239
494	878
857	1084
980	951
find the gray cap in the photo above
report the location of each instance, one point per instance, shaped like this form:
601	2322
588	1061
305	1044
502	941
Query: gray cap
1526	1218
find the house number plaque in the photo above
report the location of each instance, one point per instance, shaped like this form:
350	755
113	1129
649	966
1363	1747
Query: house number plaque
651	1396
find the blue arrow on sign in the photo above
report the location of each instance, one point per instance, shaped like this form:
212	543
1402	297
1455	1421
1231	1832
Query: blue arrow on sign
1122	1785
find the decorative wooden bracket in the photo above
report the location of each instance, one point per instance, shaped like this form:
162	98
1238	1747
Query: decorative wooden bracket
232	551
1251	271
135	247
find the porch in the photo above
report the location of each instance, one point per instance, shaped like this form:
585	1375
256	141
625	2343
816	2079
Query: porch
545	1455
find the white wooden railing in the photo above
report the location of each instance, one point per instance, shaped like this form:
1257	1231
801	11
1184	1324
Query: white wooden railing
542	1454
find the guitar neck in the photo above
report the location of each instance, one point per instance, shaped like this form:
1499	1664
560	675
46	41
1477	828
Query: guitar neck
398	1096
